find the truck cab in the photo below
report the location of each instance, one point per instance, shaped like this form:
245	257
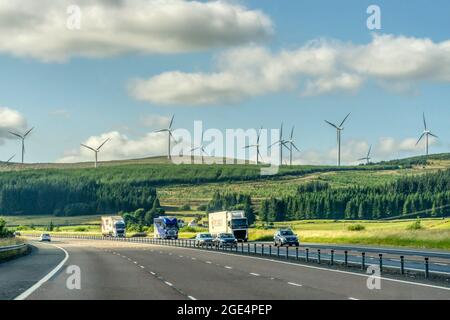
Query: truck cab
165	228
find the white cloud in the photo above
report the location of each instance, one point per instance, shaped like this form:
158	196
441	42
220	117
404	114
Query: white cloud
155	121
319	67
10	120
394	148
38	29
119	147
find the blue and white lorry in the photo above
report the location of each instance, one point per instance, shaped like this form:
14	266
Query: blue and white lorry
165	228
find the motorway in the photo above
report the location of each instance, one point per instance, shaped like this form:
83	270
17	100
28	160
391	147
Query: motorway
119	270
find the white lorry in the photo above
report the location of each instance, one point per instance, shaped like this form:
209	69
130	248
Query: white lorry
113	226
233	222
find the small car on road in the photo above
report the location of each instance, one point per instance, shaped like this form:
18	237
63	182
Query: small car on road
45	237
285	237
225	240
203	239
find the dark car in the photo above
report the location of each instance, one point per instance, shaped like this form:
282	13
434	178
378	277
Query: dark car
285	237
225	240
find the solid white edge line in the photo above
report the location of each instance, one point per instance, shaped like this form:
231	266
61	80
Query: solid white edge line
38	284
192	298
351	298
254	274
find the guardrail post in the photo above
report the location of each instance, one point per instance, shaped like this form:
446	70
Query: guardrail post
287	253
262	249
318	256
427	267
332	257
363	261
248	248
242	247
402	264
254	247
278	251
296	253
270	250
381	262
307	254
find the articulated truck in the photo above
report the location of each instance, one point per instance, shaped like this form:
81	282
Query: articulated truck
165	228
233	222
113	226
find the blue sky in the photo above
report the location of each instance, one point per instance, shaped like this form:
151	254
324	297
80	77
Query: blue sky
83	98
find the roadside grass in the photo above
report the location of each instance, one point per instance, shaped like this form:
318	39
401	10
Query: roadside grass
45	220
10	241
435	233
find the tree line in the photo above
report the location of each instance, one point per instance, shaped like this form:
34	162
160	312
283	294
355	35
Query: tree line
71	195
426	195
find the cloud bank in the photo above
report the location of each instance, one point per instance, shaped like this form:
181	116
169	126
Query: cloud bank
38	29
319	67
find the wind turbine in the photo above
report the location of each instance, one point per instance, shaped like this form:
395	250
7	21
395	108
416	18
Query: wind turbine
257	145
338	132
426	133
367	158
280	142
22	137
170	135
96	151
201	147
291	145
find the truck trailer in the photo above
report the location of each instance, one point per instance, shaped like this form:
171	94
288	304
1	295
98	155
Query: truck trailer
233	222
113	226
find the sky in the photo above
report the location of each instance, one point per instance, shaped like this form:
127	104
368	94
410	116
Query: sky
132	64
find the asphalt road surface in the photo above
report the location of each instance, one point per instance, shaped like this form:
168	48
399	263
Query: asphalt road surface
118	270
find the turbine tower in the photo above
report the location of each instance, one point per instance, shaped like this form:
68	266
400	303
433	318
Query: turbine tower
292	145
170	135
338	133
282	144
96	151
426	133
367	158
22	137
257	145
201	147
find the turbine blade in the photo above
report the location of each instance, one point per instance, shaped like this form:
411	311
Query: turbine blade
103	144
433	135
343	121
368	153
331	124
292	132
203	150
171	121
259	135
10	159
295	147
424	121
16	134
83	145
423	134
26	133
162	130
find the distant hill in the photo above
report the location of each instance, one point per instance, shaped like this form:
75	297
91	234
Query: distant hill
418	160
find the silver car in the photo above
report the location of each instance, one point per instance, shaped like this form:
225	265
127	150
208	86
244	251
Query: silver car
203	239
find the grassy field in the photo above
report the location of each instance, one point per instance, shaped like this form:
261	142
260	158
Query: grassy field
434	234
9	241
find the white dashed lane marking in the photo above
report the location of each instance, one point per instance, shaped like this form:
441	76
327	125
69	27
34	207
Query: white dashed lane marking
254	274
295	284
